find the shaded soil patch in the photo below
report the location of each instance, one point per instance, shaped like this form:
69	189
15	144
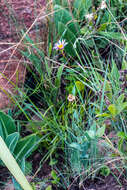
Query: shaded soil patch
100	183
107	183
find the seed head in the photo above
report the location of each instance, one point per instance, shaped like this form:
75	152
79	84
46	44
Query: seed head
71	98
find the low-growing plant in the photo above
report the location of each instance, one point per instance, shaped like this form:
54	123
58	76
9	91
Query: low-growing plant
13	167
20	148
75	93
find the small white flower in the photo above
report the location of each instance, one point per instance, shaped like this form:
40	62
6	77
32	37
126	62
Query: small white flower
71	97
103	5
60	45
89	16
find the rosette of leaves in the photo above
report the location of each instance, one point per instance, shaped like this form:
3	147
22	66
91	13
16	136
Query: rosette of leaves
20	147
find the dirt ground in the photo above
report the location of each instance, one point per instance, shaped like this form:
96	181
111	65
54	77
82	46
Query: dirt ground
99	183
15	16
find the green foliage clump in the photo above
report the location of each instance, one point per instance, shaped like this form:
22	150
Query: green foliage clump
75	97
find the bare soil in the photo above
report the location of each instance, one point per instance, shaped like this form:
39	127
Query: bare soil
15	16
99	183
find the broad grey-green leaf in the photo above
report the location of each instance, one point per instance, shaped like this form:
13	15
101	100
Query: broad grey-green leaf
2	134
11	141
65	33
25	146
91	134
63	15
100	131
76	146
81	8
7	124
